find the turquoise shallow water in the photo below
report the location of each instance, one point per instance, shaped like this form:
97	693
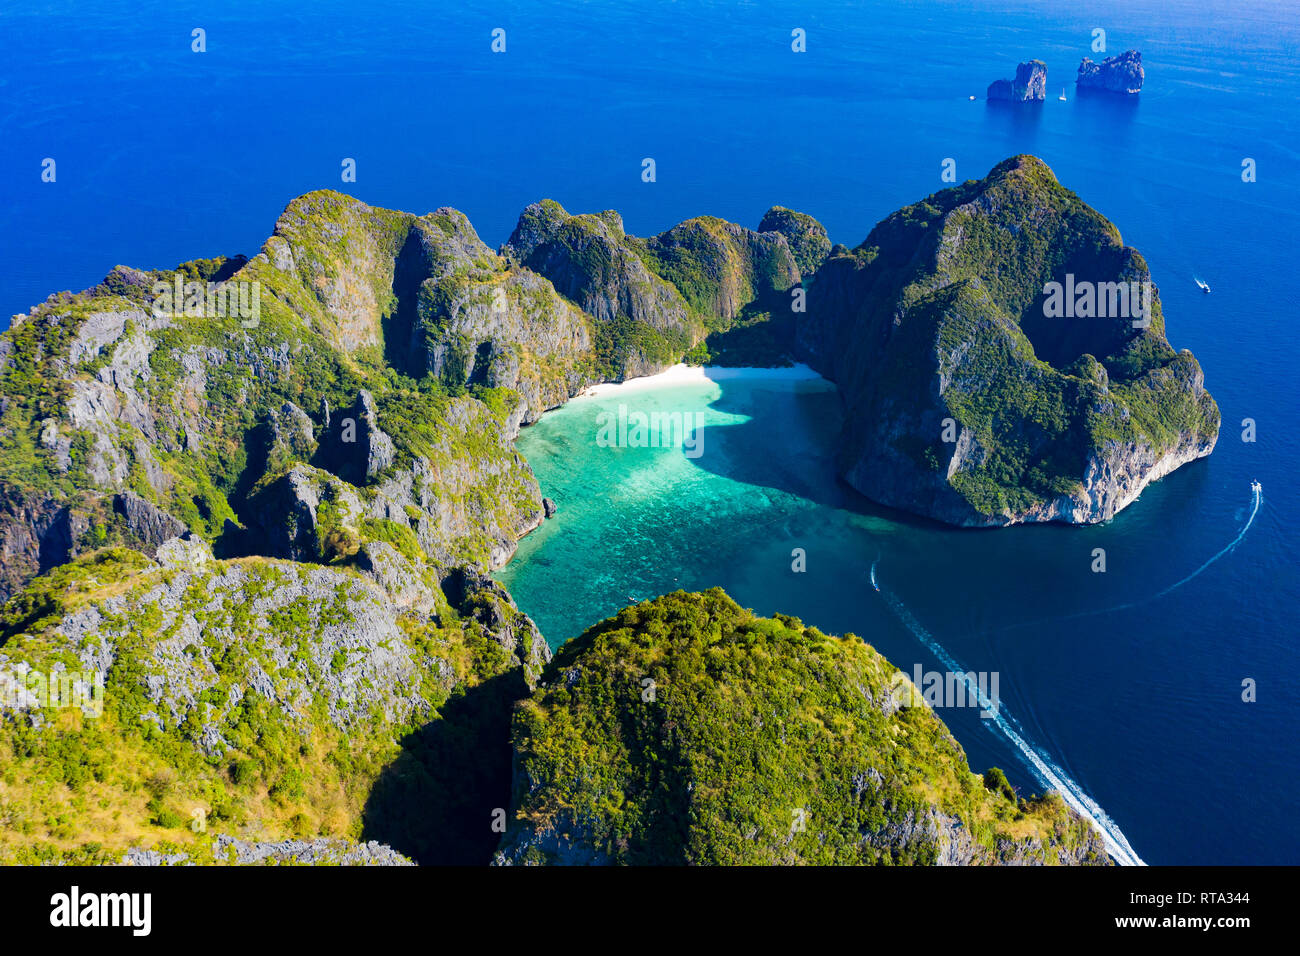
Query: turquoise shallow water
1134	704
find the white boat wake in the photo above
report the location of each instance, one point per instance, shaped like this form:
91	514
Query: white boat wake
1258	495
1044	769
1047	772
1258	491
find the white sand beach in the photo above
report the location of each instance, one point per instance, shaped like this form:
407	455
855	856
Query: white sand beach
696	375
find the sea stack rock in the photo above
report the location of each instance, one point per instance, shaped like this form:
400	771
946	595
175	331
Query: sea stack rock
1115	74
1029	86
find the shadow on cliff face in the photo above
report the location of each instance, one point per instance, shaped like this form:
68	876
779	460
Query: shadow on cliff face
435	802
763	334
401	326
787	443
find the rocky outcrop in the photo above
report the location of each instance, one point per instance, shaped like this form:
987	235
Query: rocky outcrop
147	526
1029	86
805	236
357	661
319	852
1116	74
954	845
476	596
35	534
457	507
969	399
231	851
273	693
510	330
653	298
722	267
590	261
660	716
292	436
353	445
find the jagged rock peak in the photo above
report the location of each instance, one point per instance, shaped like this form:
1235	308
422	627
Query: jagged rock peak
1030	84
1115	74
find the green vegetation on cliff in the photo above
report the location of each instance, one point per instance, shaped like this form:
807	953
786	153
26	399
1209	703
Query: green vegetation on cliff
940	316
687	730
269	535
263	698
805	236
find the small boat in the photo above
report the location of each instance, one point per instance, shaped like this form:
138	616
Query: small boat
972	97
873	575
1062	96
1205	286
1256	487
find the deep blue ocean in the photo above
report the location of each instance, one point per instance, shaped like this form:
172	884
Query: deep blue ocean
164	154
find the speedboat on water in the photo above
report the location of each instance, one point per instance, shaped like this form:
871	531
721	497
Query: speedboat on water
1205	286
1256	487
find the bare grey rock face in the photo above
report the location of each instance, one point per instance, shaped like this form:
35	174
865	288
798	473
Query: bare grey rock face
378	446
320	852
404	581
36	533
356	666
510	329
560	842
292	434
956	846
1029	86
100	329
436	499
231	851
1116	74
187	553
353	446
147	525
141	856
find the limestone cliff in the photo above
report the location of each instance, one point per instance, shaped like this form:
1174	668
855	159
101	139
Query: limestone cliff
397	354
969	398
1029	86
653	298
256	500
686	730
805	236
283	699
1116	74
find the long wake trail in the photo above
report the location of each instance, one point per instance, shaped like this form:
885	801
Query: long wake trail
1257	495
1047	772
